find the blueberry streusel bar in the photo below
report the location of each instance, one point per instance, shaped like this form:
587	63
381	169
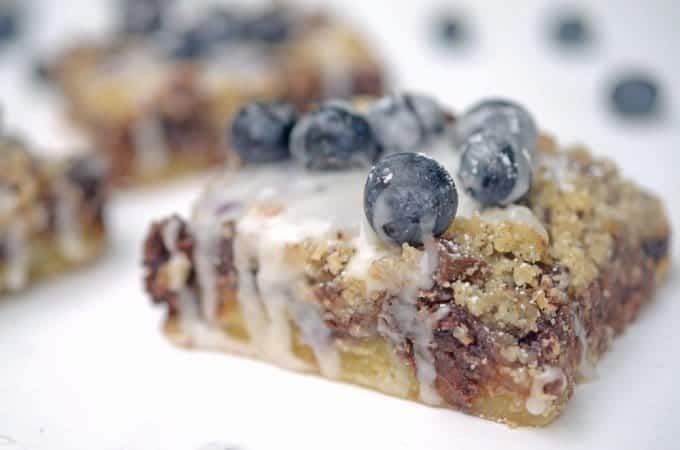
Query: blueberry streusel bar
51	213
487	274
157	96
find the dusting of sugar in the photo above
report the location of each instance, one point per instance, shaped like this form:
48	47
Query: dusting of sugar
516	214
560	171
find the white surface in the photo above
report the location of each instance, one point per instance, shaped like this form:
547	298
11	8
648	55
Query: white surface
83	363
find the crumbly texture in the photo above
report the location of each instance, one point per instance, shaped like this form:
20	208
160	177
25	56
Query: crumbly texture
181	116
51	214
520	310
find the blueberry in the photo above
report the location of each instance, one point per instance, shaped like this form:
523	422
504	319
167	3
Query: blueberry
184	45
9	21
635	96
219	26
409	196
143	16
570	30
501	117
406	122
451	29
41	71
656	249
334	137
493	169
260	131
271	26
88	173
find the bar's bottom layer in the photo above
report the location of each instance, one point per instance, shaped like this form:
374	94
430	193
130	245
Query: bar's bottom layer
179	163
370	363
46	258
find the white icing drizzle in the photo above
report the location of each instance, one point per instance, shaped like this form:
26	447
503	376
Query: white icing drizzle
262	238
206	231
368	248
586	370
178	264
148	142
414	324
16	272
198	330
316	334
68	227
170	234
209	214
539	402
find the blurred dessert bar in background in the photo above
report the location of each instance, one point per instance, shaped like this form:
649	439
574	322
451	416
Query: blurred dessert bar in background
156	97
51	213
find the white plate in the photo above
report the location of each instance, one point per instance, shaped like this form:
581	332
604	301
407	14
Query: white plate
85	367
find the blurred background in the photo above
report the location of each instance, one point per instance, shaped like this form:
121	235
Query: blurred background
604	73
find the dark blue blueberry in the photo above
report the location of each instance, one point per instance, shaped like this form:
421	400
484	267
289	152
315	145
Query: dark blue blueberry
408	197
273	25
41	71
184	45
143	16
656	249
334	137
635	96
571	30
260	131
493	169
406	122
88	173
501	117
219	26
451	29
9	21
